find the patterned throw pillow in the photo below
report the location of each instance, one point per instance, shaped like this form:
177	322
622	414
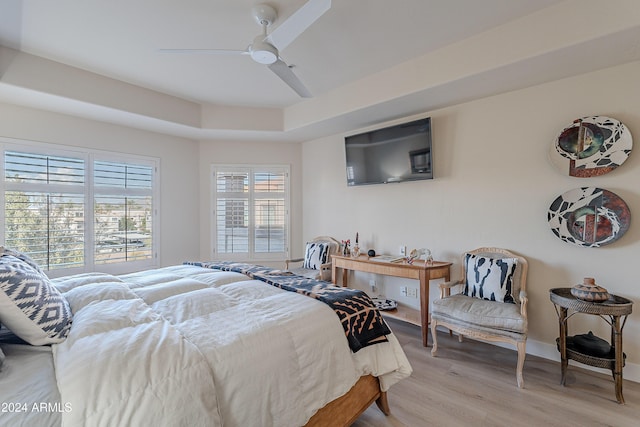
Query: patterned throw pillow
22	257
30	306
315	255
490	278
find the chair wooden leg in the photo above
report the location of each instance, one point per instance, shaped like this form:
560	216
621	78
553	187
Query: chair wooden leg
521	355
434	336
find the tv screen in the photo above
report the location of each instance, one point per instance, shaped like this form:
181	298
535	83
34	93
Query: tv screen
391	154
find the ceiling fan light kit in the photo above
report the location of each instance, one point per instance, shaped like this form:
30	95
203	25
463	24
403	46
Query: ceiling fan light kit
264	49
263	52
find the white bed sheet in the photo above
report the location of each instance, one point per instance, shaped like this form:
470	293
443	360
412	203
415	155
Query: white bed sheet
186	345
28	392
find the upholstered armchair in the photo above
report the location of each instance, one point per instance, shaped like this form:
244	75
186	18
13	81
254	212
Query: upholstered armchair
491	304
316	263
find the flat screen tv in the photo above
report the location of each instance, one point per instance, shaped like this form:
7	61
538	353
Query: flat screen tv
391	154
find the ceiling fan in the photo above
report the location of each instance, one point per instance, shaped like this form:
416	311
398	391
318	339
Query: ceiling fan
265	47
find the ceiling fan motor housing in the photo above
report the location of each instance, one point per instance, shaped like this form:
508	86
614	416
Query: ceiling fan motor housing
263	52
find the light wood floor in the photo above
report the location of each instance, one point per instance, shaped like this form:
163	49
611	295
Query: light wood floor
474	384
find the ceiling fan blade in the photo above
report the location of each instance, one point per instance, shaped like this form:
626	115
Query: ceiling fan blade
206	51
297	23
283	71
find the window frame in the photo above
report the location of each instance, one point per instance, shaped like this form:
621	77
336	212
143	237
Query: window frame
89	156
251	255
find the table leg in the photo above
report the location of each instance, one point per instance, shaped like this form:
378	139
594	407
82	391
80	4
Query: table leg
334	275
617	343
424	306
564	362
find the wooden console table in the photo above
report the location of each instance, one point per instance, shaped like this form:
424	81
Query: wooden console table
615	308
418	270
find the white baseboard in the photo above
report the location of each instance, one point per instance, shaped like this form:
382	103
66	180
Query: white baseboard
631	371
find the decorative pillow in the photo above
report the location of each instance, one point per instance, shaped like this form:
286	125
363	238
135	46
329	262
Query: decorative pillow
315	255
490	278
30	306
22	257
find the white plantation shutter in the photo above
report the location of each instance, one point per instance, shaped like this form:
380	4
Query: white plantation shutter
44	212
232	211
270	211
123	229
73	211
250	212
122	175
47	226
123	212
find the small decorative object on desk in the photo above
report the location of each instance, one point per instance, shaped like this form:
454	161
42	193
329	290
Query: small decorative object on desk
346	250
428	260
417	253
589	291
413	255
356	249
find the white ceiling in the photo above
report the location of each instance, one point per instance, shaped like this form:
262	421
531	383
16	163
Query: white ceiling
355	39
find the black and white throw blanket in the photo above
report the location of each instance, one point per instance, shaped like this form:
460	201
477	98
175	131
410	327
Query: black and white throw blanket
362	322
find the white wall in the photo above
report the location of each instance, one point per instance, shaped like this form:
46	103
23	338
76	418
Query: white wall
493	185
256	153
178	166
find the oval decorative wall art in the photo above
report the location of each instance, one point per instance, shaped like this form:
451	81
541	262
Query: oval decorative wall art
589	216
591	146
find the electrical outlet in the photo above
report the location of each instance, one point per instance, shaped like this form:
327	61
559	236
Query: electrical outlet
403	291
403	250
412	292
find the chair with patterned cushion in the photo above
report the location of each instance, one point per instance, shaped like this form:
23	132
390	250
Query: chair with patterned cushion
491	304
316	263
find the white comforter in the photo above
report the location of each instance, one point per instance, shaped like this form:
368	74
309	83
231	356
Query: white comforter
189	346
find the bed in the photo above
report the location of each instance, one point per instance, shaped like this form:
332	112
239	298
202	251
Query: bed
194	345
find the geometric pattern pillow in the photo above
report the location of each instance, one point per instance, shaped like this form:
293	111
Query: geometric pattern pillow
23	257
490	278
315	254
30	306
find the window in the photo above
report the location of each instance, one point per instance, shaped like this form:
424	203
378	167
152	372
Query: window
250	212
122	209
70	210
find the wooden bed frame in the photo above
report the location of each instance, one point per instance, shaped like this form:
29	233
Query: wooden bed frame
347	408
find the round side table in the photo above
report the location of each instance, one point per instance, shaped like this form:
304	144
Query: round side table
614	311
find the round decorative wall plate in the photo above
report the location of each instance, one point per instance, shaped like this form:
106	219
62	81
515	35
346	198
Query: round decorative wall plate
589	216
591	146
